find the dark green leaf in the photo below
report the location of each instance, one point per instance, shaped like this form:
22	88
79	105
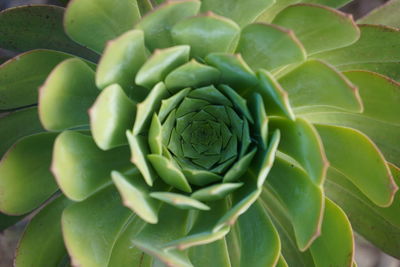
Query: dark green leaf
16	125
38	249
33	27
378	50
25	177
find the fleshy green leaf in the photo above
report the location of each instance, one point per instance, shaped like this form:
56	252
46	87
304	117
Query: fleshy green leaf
123	253
239	168
279	5
386	14
239	102
242	199
38	249
169	172
139	149
30	27
189	105
281	262
257	109
88	245
146	108
330	3
179	201
93	22
66	96
200	177
202	231
266	158
234	70
192	74
214	254
379	104
155	136
275	97
259	241
379	225
335	246
378	50
153	237
211	95
269	47
318	28
121	60
81	168
111	115
299	195
167	105
301	141
215	192
315	86
21	77
206	34
135	195
16	125
157	24
239	11
379	121
278	214
24	171
160	64
356	156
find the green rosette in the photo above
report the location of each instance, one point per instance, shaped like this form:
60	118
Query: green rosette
208	133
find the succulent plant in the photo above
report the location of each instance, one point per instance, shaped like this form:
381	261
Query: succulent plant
199	133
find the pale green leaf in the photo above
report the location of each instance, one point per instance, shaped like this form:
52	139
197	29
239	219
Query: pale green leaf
169	172
88	245
135	195
215	192
94	22
335	246
81	168
269	47
301	141
160	64
315	86
357	157
179	201
318	28
275	98
239	11
66	96
192	74
157	24
110	116
379	121
121	61
206	34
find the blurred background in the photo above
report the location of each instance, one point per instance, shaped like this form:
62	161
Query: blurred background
366	254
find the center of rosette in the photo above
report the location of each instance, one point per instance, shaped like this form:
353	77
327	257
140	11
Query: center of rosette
199	135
